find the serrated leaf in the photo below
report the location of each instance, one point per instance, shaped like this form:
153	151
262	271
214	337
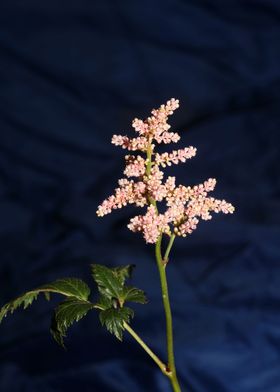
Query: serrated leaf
111	285
132	294
69	287
25	300
68	311
109	282
114	319
123	272
104	303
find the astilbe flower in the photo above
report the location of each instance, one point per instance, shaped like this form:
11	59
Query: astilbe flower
185	206
177	156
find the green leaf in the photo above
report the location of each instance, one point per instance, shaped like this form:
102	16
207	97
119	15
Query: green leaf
69	287
114	319
68	311
24	300
123	272
113	295
104	303
109	281
132	294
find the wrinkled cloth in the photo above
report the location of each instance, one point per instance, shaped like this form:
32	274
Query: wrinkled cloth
72	74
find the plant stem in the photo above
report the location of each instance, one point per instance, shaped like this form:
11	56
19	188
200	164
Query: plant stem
160	364
148	172
168	249
170	370
168	315
149	159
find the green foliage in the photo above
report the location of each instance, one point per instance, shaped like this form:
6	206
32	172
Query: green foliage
111	284
124	272
72	309
114	319
132	294
109	281
68	311
69	287
25	300
113	295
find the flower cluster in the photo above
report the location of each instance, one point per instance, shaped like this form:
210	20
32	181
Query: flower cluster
184	205
175	157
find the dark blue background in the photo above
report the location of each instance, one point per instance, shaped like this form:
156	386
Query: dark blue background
72	74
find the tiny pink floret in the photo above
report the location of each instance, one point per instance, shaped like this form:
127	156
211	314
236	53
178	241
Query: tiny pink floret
185	205
177	156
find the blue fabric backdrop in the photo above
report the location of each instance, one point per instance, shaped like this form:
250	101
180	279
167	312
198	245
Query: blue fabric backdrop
72	74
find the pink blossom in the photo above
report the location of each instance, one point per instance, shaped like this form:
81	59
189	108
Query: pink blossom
129	192
175	156
200	207
154	127
187	227
167	137
151	224
134	144
185	205
203	189
135	166
140	126
175	213
155	188
165	110
170	185
182	194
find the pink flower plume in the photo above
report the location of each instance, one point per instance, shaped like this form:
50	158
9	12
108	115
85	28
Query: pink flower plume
185	205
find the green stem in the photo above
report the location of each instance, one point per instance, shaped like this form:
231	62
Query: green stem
170	370
168	315
160	364
148	172
149	159
168	249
